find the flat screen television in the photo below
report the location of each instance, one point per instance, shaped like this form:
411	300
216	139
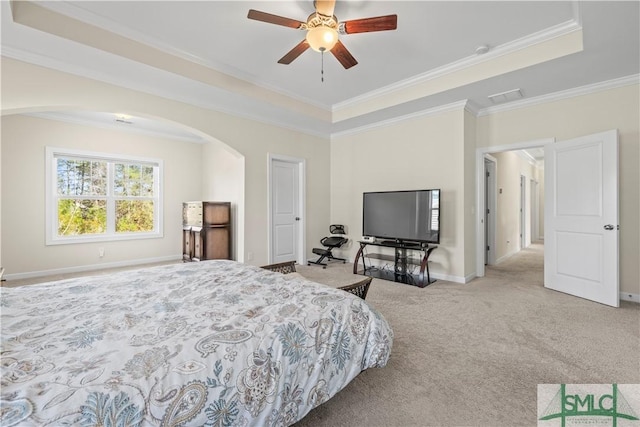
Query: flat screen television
402	216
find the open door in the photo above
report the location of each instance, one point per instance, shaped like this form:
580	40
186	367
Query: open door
581	217
490	208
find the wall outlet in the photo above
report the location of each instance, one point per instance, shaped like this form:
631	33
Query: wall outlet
101	252
249	256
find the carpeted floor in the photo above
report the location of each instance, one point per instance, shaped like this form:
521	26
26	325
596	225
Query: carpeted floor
473	354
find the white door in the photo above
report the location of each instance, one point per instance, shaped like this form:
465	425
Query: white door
523	213
284	211
533	203
581	217
490	209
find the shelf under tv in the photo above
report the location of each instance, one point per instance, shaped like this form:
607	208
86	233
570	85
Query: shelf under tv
400	259
392	258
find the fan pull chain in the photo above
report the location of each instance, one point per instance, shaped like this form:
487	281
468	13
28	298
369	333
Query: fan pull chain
322	66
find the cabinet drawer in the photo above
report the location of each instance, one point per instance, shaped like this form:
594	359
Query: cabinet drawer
187	244
216	242
192	213
216	213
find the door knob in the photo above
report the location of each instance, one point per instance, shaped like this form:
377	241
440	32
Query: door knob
608	227
297	218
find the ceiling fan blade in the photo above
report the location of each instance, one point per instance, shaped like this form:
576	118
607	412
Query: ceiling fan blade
294	53
379	23
343	55
325	7
274	19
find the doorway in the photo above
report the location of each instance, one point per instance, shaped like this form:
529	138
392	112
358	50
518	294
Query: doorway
580	202
491	206
286	201
487	226
523	212
535	210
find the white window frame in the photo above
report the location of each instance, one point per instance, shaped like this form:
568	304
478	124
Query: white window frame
51	202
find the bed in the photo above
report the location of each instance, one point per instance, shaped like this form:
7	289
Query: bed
215	343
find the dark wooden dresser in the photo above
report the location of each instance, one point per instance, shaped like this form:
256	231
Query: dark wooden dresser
206	230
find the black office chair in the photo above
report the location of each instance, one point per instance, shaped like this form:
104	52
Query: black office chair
336	240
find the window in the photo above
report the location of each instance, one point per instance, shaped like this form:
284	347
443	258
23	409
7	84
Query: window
96	197
435	210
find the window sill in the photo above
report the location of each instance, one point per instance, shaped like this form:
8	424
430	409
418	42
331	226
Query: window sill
102	238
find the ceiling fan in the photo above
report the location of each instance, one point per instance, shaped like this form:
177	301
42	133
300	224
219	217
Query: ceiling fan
323	28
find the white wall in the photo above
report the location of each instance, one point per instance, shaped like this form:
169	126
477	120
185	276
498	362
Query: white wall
470	125
510	166
432	151
564	119
424	152
27	87
23	210
428	151
541	188
223	180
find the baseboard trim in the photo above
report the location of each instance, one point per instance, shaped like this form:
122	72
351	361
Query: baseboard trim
469	277
505	256
448	278
628	296
91	267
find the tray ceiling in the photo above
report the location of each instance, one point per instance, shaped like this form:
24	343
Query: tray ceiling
209	54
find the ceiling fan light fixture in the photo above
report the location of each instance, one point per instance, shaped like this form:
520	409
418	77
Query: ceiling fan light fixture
322	38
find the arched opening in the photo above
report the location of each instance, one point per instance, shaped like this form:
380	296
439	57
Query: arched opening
197	166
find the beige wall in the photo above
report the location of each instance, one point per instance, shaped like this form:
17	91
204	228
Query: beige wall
541	188
583	115
421	153
470	125
424	152
510	166
23	210
223	180
26	87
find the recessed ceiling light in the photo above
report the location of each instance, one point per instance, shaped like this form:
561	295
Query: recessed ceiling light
124	118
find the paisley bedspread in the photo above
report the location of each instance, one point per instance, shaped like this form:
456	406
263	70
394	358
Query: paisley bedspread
214	343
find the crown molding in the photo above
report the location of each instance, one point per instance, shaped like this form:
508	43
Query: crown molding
55	64
563	94
77	12
496	52
76	120
454	106
50	62
577	12
474	109
524	155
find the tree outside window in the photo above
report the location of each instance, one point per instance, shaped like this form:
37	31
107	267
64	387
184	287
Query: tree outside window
104	197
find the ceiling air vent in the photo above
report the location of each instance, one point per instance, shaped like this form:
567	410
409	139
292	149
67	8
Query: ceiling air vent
508	96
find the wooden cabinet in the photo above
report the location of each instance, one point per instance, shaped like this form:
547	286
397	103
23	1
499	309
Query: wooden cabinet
206	230
187	243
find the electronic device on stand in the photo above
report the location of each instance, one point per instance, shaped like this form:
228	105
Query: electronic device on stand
405	221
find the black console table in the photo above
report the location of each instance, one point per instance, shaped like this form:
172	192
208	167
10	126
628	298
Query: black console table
400	262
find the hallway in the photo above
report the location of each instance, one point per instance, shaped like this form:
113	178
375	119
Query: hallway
527	262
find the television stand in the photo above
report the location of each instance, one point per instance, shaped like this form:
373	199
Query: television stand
400	262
